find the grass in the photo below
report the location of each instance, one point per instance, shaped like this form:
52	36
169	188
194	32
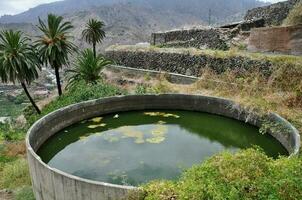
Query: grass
9	132
14	174
24	193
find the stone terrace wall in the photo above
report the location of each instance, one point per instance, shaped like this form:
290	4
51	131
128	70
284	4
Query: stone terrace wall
287	40
183	62
213	38
273	14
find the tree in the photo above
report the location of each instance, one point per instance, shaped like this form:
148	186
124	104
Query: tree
94	33
87	68
18	61
55	46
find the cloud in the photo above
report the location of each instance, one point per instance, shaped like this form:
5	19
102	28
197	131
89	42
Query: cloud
17	6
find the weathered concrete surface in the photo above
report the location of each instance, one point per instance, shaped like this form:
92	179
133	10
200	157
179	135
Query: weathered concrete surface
286	40
53	184
273	14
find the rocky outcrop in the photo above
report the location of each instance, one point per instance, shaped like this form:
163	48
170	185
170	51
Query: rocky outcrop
273	14
183	61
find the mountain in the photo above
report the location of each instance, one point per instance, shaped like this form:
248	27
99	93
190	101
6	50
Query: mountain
199	8
130	21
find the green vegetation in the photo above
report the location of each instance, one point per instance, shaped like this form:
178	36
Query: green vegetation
11	108
25	193
76	94
94	33
8	132
15	174
249	174
18	61
55	46
87	68
295	16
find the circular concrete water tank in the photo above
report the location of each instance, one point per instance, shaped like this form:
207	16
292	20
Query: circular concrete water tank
53	184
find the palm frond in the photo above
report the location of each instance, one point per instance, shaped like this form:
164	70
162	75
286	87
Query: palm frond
54	45
18	58
94	31
87	68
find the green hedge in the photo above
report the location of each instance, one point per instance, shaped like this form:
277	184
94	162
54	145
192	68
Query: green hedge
249	174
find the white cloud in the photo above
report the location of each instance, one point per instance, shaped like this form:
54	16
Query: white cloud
17	6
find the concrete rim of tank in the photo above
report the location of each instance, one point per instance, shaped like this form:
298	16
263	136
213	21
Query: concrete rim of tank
294	133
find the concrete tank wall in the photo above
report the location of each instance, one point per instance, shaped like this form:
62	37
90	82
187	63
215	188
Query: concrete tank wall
53	184
287	40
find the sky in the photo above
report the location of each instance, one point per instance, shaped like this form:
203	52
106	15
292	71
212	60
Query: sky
18	6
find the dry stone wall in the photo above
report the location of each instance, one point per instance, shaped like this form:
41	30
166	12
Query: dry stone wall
213	38
273	14
181	62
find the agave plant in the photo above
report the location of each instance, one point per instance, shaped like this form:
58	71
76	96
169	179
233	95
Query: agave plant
94	33
18	61
55	45
87	68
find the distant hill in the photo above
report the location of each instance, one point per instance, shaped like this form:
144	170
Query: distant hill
131	21
198	8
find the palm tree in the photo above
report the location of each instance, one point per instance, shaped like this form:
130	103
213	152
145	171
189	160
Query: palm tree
18	61
94	33
87	68
54	46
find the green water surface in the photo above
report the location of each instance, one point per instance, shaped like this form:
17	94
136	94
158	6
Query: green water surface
132	148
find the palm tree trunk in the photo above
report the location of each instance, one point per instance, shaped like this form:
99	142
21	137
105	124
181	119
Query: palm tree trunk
94	49
30	98
58	80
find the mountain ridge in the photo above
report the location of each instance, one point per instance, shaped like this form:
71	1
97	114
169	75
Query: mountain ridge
131	21
197	8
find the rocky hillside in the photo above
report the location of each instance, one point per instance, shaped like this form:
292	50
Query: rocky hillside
125	23
220	9
132	21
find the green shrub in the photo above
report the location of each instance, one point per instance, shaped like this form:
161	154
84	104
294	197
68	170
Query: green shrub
24	193
14	174
248	174
141	89
10	133
78	93
295	16
21	98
